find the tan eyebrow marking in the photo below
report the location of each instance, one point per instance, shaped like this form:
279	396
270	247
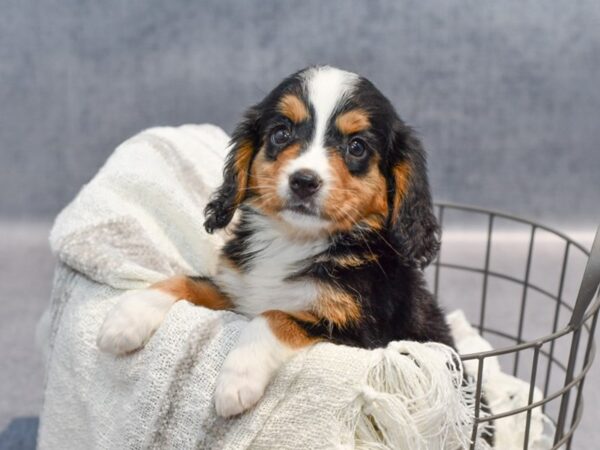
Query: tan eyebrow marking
293	108
353	121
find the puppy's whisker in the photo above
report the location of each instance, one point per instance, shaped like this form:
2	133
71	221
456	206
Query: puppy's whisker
259	177
265	198
260	186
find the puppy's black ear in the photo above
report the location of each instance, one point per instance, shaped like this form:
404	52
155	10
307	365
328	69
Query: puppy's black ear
413	223
244	144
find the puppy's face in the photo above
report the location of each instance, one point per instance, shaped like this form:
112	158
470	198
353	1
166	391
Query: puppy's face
320	162
322	153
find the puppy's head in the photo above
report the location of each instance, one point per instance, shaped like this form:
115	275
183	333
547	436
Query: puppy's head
325	152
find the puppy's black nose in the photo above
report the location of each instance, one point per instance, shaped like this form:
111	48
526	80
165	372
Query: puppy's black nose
305	182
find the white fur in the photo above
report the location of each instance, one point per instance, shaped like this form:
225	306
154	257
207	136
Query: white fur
133	320
327	87
264	286
303	222
249	367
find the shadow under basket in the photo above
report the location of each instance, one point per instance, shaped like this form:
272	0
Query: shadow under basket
531	292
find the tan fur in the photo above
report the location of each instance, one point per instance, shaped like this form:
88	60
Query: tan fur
401	174
353	121
351	261
200	293
347	261
375	222
293	108
336	306
304	316
287	330
355	199
241	166
265	177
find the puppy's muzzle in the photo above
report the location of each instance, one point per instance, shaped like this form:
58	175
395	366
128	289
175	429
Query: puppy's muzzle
305	183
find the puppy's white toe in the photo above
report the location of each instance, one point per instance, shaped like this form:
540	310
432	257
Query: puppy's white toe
237	391
132	321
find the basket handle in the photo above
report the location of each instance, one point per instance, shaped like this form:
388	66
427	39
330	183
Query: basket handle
589	283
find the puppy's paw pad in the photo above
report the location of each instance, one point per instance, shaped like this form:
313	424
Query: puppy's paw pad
133	320
237	392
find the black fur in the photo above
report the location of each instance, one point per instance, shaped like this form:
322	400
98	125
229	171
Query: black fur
392	295
391	290
416	230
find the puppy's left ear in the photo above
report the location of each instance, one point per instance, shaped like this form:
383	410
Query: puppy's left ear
414	225
226	199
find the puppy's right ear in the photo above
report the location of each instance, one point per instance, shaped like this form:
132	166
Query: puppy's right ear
244	144
414	225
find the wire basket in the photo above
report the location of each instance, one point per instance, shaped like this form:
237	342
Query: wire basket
522	289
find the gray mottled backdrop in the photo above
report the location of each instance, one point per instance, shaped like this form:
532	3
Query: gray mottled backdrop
506	94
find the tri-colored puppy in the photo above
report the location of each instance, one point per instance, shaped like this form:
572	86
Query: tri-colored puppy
335	226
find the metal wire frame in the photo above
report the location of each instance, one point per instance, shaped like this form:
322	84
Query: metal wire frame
584	314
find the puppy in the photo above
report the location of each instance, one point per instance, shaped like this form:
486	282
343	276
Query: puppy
335	226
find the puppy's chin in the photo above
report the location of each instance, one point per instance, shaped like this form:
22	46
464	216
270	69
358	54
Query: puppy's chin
303	223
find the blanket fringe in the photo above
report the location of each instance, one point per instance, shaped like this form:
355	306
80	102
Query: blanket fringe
414	397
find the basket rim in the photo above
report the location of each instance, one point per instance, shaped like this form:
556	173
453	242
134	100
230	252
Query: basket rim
518	218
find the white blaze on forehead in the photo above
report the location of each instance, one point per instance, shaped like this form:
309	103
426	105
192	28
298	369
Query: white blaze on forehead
326	87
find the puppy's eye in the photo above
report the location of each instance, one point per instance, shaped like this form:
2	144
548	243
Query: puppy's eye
281	135
357	148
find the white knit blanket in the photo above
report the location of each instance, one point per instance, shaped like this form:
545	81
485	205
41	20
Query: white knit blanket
140	220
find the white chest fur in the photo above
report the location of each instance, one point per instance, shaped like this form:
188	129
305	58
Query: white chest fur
263	285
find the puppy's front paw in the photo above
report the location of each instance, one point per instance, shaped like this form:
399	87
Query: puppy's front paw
238	389
132	321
